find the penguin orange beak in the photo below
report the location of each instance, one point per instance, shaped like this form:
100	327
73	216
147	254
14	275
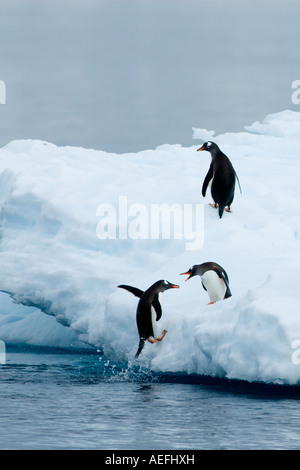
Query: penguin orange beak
174	286
188	273
201	148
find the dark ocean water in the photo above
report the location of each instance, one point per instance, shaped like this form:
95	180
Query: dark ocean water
65	401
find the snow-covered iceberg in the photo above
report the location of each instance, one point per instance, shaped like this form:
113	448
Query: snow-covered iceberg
59	275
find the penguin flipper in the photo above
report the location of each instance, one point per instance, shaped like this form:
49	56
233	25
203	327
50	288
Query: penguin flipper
228	291
157	307
238	181
138	293
207	179
134	290
223	275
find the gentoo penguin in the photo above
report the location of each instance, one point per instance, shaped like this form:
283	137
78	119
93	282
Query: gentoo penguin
223	176
214	280
149	311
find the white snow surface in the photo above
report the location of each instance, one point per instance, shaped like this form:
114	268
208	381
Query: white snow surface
54	266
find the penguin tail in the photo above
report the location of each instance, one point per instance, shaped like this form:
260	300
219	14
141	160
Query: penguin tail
140	348
221	210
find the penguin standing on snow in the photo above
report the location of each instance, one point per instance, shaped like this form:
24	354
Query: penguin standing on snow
223	177
149	311
214	280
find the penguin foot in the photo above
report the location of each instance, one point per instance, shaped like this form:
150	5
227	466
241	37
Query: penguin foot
228	209
152	340
214	205
156	340
210	303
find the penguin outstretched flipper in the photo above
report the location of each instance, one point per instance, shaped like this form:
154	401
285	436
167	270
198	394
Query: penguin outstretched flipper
134	290
138	293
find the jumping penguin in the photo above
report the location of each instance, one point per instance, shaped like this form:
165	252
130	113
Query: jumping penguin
149	311
214	280
223	177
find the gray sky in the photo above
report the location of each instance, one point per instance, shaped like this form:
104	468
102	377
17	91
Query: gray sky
128	75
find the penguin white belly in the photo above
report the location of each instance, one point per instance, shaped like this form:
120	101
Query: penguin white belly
153	317
154	322
215	286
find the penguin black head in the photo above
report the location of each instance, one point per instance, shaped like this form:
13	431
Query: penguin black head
199	269
165	285
210	147
191	272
